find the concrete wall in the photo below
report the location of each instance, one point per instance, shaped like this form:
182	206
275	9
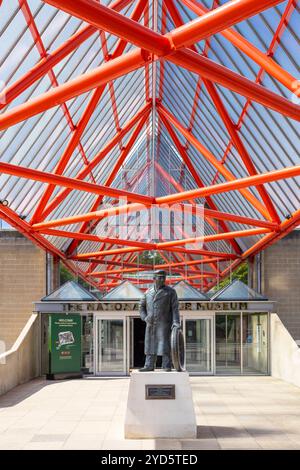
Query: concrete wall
22	281
281	280
285	353
21	363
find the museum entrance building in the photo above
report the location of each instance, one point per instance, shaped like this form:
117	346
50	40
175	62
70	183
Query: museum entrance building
227	334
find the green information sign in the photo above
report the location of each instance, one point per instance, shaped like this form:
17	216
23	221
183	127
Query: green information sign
64	343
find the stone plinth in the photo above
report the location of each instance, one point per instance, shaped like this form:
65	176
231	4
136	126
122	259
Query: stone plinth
160	418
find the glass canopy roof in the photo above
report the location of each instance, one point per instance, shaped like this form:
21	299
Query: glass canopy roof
237	290
192	103
125	291
186	292
70	291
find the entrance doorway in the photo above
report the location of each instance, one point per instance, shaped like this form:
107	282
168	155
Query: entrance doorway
110	346
199	345
228	344
137	343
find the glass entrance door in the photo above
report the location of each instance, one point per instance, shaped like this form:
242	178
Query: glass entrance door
110	346
228	344
198	341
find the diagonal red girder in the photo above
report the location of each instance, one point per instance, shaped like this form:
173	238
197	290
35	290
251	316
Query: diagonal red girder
164	113
83	122
97	159
231	128
194	173
178	187
270	52
42	51
112	175
51	59
189	61
264	60
159	45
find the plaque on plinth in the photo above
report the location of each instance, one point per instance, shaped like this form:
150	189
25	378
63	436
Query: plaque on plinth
160	405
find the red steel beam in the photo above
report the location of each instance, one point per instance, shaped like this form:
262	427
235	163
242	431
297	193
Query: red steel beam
129	62
101	75
226	119
105	18
208	24
268	177
156	266
215	237
217	73
132	270
111	177
270	52
72	183
285	227
98	254
42	51
239	145
178	21
216	214
68	152
53	58
240	219
97	159
265	61
170	244
96	238
164	113
194	173
23	227
75	139
179	188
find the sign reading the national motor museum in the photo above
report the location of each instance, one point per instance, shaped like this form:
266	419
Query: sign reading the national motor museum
128	306
94	307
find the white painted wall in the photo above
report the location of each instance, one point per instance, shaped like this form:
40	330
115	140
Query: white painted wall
285	353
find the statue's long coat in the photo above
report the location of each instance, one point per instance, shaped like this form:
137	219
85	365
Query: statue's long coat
159	309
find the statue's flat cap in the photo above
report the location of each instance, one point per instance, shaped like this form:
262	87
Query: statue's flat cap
160	273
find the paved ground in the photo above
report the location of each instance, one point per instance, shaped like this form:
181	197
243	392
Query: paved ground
232	413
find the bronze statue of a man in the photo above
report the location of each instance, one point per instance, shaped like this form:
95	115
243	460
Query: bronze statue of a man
159	309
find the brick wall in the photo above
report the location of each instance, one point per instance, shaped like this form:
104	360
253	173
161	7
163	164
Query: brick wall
22	281
281	280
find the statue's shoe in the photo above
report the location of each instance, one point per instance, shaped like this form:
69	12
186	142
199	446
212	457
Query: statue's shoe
168	369
146	369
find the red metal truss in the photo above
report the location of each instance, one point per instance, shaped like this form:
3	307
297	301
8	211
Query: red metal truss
134	43
276	38
159	45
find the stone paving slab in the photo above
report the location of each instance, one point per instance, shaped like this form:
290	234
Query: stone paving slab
232	413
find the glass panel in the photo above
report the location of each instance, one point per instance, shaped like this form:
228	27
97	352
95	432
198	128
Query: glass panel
111	346
198	346
186	292
125	291
255	343
237	290
70	291
228	344
87	344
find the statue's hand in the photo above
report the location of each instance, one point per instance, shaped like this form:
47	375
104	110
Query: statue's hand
176	324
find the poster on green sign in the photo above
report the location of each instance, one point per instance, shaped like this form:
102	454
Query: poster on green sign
64	343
